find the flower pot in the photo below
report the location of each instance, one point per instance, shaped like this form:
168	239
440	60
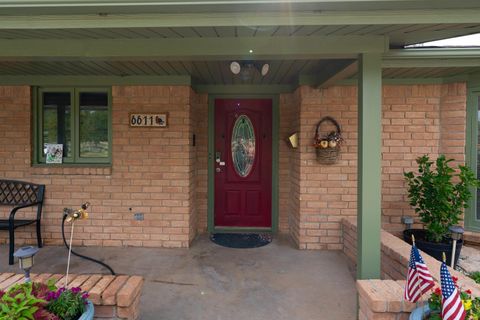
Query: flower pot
420	313
89	311
433	249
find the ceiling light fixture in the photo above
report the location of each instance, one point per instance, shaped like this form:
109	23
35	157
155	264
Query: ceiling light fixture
247	69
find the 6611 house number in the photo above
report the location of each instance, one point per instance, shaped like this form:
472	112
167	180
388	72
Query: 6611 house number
158	120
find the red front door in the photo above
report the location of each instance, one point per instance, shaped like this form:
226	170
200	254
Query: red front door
243	163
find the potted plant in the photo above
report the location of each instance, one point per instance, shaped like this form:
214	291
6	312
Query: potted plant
433	310
439	194
38	301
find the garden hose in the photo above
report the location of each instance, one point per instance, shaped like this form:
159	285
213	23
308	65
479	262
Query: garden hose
80	255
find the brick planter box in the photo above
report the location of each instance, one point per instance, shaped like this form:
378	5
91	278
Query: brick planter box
114	297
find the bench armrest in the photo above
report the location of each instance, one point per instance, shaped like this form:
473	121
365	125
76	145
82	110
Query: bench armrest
14	210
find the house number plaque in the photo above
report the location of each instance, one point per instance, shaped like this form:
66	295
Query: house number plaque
158	120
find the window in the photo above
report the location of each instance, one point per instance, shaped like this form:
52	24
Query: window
472	214
79	119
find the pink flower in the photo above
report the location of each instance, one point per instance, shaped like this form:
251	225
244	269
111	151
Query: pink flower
76	290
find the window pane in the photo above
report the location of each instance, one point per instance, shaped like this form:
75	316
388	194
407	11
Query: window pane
56	120
93	125
243	146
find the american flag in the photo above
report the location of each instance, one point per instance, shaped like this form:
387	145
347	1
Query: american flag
419	279
452	307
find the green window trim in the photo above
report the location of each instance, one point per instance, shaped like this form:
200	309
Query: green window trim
473	96
74	159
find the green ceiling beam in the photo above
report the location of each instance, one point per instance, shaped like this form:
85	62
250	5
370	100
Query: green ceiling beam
441	58
190	49
326	72
235	18
349	70
244	89
54	80
430	63
439	53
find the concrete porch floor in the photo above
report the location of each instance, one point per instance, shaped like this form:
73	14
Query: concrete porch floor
212	282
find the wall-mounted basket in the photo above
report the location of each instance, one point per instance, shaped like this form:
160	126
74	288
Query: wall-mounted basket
327	144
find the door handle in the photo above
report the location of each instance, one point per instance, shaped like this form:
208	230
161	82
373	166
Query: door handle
218	159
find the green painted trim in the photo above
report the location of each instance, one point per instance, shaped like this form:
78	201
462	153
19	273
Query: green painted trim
244	89
132	15
408	81
211	164
432	62
369	166
328	72
431	53
75	159
72	165
275	160
34	129
53	80
180	49
471	152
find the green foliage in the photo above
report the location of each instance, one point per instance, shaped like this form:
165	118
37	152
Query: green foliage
475	276
67	304
19	303
439	194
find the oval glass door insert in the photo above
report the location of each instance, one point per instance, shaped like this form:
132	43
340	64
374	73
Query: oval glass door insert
243	145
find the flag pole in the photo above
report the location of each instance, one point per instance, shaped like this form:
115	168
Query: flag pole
416	303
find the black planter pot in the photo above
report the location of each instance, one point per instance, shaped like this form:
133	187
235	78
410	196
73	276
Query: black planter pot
433	249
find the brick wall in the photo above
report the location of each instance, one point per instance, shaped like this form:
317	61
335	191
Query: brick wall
199	104
288	166
159	172
152	172
383	299
396	255
327	192
417	120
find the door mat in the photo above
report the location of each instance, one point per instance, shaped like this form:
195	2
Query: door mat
241	240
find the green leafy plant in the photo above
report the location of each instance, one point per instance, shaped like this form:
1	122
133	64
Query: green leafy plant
68	304
475	276
19	303
439	194
38	301
471	304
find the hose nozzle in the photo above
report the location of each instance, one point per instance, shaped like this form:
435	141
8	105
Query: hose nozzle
71	215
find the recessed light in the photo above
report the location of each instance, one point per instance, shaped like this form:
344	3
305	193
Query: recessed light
251	51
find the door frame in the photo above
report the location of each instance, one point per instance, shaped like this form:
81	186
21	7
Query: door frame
473	94
211	151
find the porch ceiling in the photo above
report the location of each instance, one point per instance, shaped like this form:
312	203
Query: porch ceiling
310	39
282	72
202	72
398	34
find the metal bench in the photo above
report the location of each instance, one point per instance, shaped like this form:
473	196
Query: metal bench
20	195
